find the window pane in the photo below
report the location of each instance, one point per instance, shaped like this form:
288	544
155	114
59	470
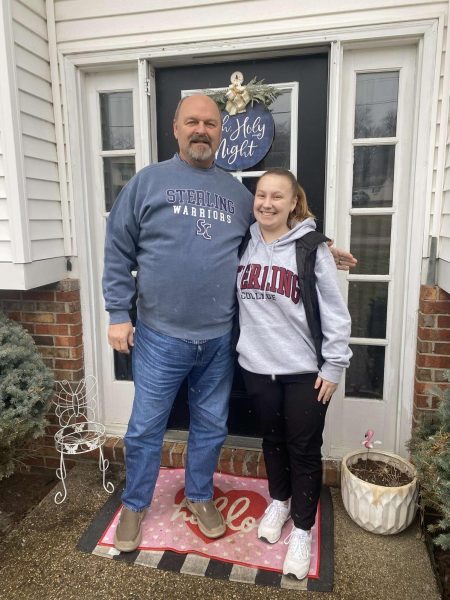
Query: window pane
373	176
116	111
364	378
117	171
376	104
279	153
250	183
367	303
370	242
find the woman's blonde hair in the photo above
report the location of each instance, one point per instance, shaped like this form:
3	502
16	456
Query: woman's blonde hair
301	210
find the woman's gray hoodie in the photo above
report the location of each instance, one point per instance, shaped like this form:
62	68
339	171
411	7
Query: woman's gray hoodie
275	337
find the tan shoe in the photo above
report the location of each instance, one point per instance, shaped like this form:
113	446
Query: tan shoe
127	536
209	520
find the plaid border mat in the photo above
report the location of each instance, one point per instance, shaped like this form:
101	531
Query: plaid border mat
193	564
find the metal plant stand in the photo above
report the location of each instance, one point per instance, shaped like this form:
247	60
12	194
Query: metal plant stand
75	408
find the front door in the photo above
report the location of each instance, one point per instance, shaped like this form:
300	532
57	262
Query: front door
300	114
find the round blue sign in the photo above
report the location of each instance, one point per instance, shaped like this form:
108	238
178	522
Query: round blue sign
246	138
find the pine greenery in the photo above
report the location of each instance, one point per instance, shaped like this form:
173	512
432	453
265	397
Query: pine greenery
430	451
258	91
26	386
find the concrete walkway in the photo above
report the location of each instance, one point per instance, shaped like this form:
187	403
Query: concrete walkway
38	560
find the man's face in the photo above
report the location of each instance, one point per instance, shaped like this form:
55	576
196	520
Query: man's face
197	129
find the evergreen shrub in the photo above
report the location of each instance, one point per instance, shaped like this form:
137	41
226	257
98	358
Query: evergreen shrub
430	452
26	387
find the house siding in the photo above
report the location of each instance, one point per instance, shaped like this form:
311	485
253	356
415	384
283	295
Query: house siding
5	233
444	242
38	129
109	24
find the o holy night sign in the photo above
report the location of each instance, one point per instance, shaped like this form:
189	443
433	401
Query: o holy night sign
246	138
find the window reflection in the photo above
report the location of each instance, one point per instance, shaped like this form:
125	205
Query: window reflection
373	176
116	110
117	171
367	303
250	183
365	376
376	104
370	241
279	154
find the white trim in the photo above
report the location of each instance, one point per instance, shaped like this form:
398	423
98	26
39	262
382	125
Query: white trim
15	184
76	136
362	341
442	143
144	111
363	277
59	131
417	226
63	89
294	87
444	274
436	66
119	153
332	168
413	24
26	276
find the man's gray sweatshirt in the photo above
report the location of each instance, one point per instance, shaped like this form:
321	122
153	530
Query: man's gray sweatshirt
180	227
274	334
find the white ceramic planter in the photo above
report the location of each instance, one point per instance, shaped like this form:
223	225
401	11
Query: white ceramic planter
377	508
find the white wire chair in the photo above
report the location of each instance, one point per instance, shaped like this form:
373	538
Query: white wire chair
80	432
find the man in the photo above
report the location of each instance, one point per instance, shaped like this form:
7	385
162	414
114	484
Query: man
179	223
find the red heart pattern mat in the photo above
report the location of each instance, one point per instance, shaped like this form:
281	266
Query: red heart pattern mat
169	525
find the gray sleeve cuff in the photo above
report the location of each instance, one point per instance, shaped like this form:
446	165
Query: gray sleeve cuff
118	316
331	372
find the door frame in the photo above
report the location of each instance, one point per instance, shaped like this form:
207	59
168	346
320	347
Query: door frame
429	38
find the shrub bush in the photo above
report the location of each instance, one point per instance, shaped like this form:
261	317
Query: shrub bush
26	387
430	452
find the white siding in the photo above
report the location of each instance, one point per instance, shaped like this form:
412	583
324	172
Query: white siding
5	234
38	128
444	253
443	219
435	219
115	24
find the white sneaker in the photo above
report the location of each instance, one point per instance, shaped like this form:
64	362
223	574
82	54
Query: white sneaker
298	557
275	516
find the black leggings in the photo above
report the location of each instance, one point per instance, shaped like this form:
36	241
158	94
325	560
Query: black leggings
292	422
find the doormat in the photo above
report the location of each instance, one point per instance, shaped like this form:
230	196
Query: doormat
172	541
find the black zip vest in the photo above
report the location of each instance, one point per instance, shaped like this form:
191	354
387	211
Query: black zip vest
305	251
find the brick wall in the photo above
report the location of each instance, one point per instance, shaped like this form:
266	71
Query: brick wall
52	316
433	349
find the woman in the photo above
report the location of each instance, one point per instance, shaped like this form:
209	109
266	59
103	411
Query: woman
279	360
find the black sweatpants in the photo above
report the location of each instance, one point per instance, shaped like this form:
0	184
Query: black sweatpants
292	422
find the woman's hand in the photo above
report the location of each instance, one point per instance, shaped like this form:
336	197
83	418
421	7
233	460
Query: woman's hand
344	260
327	389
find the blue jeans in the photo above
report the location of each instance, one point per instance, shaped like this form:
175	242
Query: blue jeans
160	364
